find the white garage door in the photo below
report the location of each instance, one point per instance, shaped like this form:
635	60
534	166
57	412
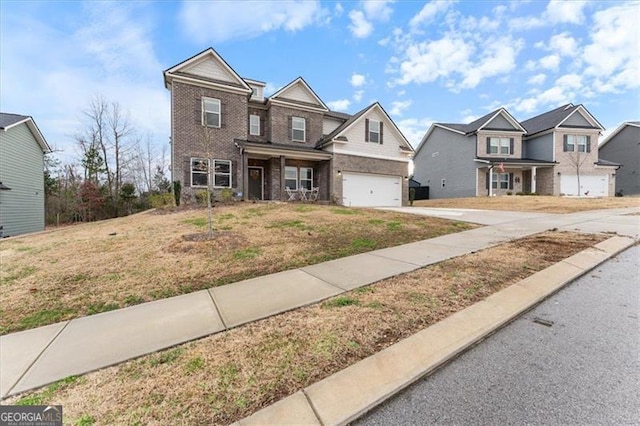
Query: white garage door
592	186
367	190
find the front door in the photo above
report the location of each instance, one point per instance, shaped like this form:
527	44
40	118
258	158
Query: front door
256	183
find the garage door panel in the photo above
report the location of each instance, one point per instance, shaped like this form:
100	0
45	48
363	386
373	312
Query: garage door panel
590	185
370	190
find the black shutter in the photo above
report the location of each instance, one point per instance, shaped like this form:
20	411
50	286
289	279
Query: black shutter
510	180
290	124
223	115
234	170
511	146
186	172
198	111
565	148
381	132
588	143
306	131
366	130
488	145
487	179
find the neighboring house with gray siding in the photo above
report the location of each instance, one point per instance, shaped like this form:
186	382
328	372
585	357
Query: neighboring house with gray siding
282	146
22	150
496	155
623	147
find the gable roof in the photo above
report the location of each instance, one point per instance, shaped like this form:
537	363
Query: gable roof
8	121
618	130
182	69
280	95
554	118
356	117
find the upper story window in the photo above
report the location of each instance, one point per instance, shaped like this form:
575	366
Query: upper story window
298	129
254	125
373	131
222	173
503	146
199	172
211	112
580	143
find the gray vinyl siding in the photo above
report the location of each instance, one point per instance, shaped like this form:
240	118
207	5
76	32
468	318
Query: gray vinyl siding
454	163
539	148
21	169
500	122
576	120
624	148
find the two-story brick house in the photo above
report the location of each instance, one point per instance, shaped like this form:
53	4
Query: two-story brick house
223	128
496	155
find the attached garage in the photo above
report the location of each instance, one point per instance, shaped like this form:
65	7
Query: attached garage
371	190
592	186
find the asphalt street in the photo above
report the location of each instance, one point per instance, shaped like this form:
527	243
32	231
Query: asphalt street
574	359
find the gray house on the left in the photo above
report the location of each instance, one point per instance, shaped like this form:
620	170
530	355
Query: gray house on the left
22	150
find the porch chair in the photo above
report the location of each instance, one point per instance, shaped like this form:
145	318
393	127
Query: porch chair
291	193
314	194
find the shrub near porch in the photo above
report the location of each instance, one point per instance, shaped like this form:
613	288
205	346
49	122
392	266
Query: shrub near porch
96	267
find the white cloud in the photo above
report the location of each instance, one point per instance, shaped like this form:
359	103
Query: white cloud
359	26
398	107
339	105
564	11
339	9
563	44
358	80
537	79
499	59
219	21
550	62
428	12
377	10
414	129
615	42
270	89
570	81
357	95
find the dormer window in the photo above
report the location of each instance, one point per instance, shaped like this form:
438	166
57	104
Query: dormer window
298	129
503	146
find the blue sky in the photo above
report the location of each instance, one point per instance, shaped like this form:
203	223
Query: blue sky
423	61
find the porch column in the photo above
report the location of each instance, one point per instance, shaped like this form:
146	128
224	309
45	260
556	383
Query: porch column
282	184
245	175
491	181
533	178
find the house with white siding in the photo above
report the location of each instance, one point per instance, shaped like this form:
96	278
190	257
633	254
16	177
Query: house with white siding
22	150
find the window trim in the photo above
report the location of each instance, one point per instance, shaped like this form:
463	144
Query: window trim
498	179
252	124
192	171
295	168
205	112
215	173
300	179
502	142
583	139
294	129
376	132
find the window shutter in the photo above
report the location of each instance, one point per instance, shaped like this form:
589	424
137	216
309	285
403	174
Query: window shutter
381	132
198	112
487	178
510	180
233	179
565	148
366	130
588	143
186	172
223	115
306	131
488	145
290	124
511	146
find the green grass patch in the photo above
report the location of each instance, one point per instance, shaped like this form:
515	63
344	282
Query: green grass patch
376	221
394	225
133	300
248	253
288	224
374	305
225	216
305	208
364	290
44	317
199	222
166	357
85	420
363	244
255	212
23	249
98	307
44	396
194	364
345	211
340	302
22	273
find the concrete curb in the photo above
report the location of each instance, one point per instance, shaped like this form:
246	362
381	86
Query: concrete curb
348	394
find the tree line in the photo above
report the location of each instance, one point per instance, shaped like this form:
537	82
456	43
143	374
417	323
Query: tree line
117	172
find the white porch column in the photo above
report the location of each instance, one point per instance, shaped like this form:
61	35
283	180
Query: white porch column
533	178
491	181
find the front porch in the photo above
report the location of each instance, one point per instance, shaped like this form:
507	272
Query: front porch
284	173
512	176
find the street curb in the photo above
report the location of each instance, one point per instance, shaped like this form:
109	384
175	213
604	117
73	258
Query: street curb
348	394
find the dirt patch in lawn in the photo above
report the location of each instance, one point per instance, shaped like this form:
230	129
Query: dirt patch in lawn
225	377
532	203
91	268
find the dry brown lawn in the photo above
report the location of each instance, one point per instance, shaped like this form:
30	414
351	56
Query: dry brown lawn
90	268
222	378
541	203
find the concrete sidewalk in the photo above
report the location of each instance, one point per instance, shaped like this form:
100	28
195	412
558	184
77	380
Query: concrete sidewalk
33	358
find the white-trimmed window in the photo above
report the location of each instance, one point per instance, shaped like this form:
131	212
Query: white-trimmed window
570	143
581	141
211	112
298	129
222	173
254	125
500	180
374	131
291	177
199	172
306	178
499	146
